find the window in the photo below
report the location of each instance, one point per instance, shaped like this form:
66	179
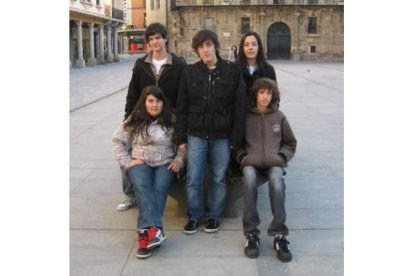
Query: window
312	25
245	2
209	23
152	4
245	25
208	2
158	5
312	2
312	49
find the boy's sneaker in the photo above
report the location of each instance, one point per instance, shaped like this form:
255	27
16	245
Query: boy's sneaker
191	227
143	251
281	245
212	225
125	205
251	249
155	237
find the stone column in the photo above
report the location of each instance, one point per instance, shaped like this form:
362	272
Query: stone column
101	59
92	59
116	56
80	62
108	44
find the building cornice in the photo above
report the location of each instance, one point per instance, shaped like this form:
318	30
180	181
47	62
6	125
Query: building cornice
95	16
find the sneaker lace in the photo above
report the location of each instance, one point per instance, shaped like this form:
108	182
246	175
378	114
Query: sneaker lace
152	232
281	243
142	240
252	239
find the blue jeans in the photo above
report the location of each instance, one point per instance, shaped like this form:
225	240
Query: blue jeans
251	219
151	186
127	186
217	153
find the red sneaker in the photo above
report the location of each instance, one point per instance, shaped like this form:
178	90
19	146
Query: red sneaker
143	251
155	237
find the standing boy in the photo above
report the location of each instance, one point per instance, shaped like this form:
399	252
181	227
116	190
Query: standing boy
210	122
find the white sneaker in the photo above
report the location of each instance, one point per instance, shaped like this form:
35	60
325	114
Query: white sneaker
125	205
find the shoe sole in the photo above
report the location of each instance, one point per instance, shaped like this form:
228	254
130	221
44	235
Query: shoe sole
187	232
284	261
156	245
124	208
252	256
211	230
143	256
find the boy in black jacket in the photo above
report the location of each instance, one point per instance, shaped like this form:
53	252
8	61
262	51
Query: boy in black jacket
210	121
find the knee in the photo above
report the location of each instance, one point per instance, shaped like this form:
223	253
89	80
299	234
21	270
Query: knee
249	177
277	183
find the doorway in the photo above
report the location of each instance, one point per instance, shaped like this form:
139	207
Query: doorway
278	41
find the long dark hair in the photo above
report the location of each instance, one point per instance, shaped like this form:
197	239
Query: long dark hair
139	120
260	59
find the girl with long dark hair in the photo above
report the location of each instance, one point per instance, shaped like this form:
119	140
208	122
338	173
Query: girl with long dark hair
144	146
252	59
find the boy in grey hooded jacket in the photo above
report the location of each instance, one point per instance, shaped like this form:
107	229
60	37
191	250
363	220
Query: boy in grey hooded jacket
268	146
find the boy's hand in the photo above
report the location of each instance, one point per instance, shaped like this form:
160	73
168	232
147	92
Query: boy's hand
174	166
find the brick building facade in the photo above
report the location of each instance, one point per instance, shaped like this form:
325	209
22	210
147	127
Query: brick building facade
289	31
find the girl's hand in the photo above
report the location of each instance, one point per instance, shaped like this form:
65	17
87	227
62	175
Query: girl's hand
174	166
135	162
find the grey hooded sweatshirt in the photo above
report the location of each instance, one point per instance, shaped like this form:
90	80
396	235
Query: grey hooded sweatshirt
269	140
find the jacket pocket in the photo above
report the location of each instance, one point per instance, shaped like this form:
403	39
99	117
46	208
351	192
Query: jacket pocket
223	92
276	160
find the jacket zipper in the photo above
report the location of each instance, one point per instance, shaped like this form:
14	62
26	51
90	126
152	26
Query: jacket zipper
152	75
209	87
263	141
163	72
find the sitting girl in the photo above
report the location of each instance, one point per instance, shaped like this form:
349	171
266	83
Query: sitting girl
144	145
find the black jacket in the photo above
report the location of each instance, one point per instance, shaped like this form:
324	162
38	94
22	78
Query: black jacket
142	76
268	72
212	104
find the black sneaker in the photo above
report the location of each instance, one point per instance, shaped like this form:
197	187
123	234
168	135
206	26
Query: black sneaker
191	227
212	225
251	249
281	245
143	253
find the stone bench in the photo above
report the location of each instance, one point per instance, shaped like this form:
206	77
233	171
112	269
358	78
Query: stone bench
233	206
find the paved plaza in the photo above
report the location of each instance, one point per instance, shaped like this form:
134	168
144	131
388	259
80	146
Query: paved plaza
103	240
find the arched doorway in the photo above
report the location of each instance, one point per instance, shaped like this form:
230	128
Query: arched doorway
278	41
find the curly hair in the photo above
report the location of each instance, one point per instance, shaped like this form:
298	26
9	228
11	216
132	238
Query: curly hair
139	120
265	83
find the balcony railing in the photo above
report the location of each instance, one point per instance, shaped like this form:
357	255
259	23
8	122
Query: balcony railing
118	14
184	3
